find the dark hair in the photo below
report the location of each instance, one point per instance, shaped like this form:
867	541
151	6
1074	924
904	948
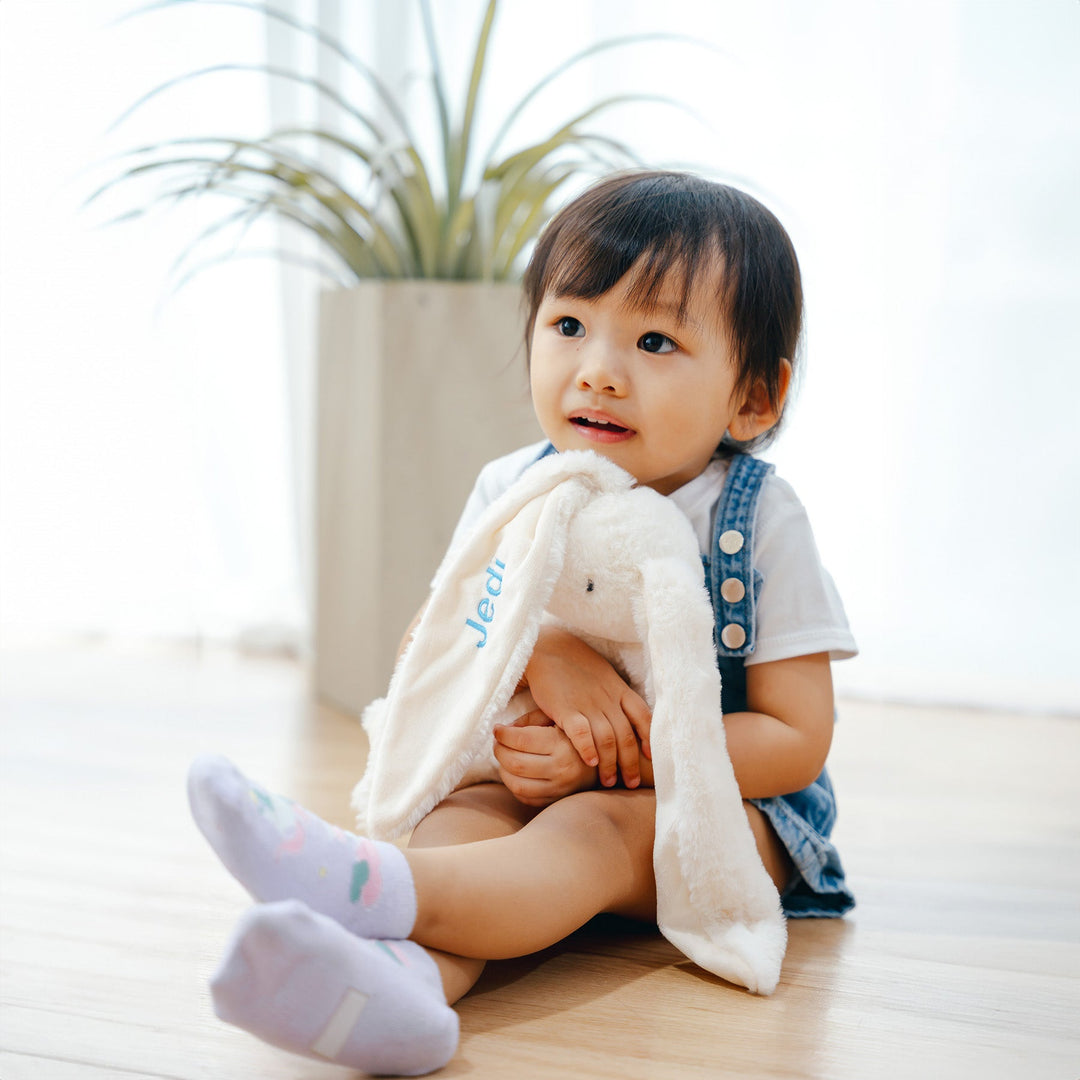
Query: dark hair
671	222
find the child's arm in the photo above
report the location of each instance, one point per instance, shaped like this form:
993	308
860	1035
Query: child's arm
780	743
777	746
585	696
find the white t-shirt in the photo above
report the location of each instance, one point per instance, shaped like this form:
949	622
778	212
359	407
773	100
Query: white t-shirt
798	611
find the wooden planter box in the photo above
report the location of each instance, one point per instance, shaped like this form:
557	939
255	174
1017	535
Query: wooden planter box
420	383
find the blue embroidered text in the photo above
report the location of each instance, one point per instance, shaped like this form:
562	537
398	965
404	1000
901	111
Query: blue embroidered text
485	610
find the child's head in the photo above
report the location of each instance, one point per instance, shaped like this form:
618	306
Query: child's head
704	244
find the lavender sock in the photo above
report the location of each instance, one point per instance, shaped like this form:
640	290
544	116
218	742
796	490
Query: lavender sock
298	980
279	851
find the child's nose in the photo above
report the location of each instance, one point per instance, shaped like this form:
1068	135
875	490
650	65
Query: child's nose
601	371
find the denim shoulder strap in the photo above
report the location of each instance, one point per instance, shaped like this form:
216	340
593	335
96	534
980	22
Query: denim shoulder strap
733	582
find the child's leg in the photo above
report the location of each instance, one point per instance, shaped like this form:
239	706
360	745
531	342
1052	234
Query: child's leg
482	812
773	854
539	917
518	893
301	981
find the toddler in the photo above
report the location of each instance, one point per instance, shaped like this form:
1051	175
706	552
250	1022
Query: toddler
664	314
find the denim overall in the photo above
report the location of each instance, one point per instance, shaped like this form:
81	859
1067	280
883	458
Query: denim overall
803	820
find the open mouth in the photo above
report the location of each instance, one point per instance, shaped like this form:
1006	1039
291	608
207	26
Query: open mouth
600	430
598	425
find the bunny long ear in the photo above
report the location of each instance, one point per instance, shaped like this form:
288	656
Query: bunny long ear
470	649
715	901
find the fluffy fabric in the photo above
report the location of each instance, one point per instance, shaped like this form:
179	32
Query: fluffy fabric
573	541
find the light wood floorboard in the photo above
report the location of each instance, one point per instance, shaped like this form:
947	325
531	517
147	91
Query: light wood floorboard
960	831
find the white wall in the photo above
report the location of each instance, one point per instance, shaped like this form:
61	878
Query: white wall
923	155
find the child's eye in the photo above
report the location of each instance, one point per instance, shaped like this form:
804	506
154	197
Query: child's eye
568	326
656	343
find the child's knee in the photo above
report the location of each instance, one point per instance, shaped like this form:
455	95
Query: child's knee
613	817
479	812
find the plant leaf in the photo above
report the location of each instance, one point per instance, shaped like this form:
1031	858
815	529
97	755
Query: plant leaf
283	254
382	91
263	69
476	76
577	58
438	88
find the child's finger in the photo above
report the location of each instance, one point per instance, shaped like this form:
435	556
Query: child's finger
534	718
521	763
579	732
528	739
637	712
606	739
628	751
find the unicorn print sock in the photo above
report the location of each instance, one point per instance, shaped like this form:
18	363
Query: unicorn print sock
279	851
300	981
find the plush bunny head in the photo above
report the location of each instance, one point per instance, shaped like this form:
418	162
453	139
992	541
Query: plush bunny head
610	542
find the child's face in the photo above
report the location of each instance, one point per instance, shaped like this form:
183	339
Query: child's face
652	393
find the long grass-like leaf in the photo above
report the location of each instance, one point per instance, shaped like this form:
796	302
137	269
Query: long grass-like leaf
263	69
302	179
461	228
382	91
476	78
511	244
246	217
577	58
599	151
526	189
567	132
249	198
438	86
350	247
282	254
408	187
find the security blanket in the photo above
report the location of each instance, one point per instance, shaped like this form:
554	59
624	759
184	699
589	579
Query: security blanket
574	541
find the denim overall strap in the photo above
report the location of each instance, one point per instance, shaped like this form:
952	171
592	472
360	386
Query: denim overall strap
733	583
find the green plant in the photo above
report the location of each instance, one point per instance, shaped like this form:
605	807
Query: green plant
466	215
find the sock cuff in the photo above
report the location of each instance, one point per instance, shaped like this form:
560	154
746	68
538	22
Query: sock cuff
397	873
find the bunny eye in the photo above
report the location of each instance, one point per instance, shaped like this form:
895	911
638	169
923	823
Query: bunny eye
590	586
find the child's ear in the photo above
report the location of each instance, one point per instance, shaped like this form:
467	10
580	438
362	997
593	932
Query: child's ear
757	414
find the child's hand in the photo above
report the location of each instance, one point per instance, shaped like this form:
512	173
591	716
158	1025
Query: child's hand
589	700
537	762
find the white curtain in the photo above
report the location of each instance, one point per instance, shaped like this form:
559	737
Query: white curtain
146	464
156	458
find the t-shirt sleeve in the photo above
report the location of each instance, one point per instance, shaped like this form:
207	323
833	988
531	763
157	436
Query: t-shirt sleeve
799	610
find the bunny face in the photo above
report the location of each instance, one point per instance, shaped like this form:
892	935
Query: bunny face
607	544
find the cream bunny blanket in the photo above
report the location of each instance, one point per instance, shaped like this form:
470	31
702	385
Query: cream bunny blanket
574	541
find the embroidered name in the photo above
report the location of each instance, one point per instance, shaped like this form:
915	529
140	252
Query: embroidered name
485	610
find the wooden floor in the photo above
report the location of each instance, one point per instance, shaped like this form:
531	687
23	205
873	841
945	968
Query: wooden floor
960	831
